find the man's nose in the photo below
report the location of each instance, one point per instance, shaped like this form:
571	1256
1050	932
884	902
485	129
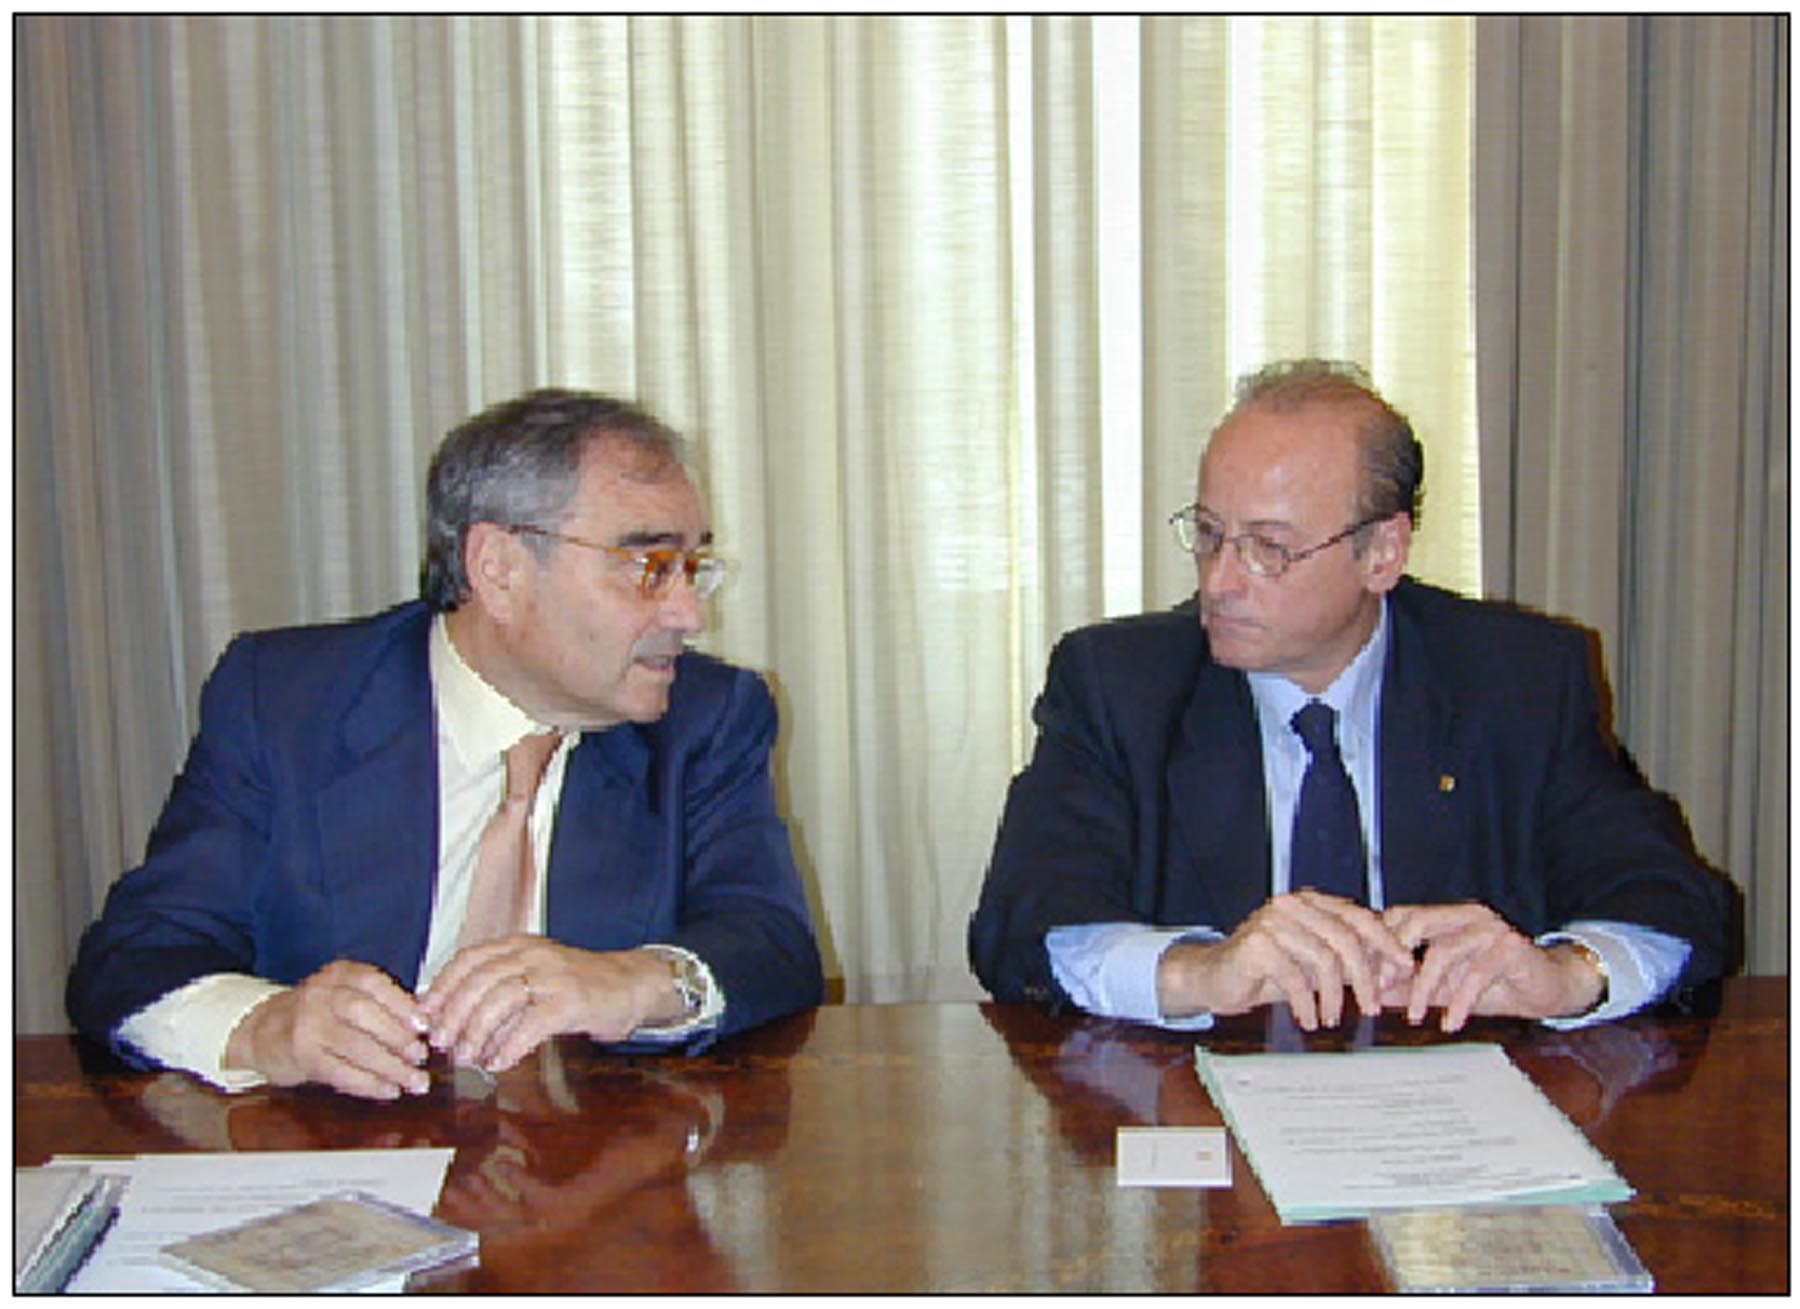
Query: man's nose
681	609
1223	572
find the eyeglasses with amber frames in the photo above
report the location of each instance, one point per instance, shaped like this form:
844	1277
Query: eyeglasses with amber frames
1203	538
657	566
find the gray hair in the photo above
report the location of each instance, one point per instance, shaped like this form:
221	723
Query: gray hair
518	464
1393	480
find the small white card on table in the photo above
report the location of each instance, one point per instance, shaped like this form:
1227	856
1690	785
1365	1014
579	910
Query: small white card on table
1173	1156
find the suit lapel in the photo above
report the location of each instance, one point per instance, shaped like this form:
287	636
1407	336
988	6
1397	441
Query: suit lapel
1424	779
377	817
603	875
1219	858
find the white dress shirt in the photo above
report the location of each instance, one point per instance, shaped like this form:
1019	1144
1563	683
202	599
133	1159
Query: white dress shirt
190	1027
1110	968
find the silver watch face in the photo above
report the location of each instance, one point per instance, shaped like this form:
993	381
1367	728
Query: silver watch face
687	982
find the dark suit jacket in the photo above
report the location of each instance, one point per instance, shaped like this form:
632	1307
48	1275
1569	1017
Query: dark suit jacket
304	828
1144	799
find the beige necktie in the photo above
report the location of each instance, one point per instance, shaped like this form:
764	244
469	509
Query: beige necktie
505	885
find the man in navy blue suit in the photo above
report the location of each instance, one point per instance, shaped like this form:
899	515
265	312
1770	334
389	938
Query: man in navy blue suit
1164	857
346	873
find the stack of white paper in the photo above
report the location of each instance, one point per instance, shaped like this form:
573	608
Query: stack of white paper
175	1196
1344	1135
58	1214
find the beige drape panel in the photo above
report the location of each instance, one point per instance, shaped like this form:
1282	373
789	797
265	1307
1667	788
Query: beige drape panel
260	265
1632	224
263	264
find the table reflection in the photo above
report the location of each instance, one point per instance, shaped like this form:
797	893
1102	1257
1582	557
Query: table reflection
571	1165
1148	1076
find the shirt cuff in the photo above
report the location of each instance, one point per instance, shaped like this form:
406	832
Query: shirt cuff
1641	964
1110	969
190	1027
712	1004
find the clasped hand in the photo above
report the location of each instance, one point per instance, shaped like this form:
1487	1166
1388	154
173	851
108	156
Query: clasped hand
1307	948
352	1027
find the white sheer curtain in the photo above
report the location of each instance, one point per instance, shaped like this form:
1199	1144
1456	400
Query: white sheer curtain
880	268
1307	191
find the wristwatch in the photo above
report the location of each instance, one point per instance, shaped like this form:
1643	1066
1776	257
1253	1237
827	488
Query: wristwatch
1598	964
688	977
689	984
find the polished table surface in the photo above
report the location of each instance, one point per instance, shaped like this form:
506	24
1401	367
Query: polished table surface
959	1148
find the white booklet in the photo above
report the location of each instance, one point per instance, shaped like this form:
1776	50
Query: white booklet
1346	1135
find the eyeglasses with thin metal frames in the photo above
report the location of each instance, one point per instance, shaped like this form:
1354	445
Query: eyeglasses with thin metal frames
656	565
1258	554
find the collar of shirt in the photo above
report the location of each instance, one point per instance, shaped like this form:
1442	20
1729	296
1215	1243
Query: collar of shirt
478	721
1355	695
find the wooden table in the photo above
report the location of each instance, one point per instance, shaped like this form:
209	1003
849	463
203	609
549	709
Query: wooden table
959	1148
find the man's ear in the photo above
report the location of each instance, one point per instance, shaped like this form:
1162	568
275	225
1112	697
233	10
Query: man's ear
499	566
1384	557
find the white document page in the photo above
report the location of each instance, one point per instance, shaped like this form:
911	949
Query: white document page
1341	1135
171	1196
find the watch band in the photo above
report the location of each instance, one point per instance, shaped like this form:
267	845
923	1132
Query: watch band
1592	956
692	982
689	985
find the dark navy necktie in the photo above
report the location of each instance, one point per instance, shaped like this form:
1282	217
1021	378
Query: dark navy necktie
1327	852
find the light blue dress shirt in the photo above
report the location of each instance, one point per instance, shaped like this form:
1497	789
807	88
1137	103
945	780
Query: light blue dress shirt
1110	968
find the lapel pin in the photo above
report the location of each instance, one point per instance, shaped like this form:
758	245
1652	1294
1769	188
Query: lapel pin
1446	783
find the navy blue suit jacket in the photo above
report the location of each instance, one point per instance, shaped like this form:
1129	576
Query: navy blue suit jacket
304	828
1144	800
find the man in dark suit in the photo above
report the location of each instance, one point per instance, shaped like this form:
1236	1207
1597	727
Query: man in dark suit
1462	836
345	873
